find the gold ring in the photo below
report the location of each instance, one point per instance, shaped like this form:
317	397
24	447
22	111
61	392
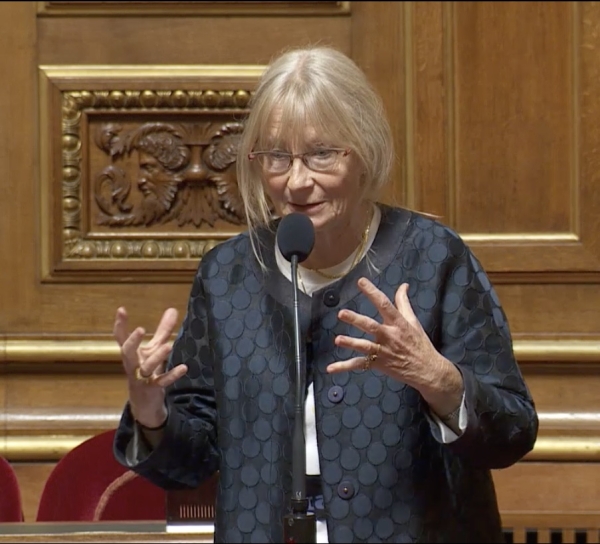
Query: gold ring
140	377
368	360
377	351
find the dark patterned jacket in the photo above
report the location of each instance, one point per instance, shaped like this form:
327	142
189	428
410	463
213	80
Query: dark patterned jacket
386	474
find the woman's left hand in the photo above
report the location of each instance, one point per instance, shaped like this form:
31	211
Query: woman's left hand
400	347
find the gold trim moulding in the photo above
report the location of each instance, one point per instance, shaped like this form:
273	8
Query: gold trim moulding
565	449
72	75
522	238
59	421
559	351
39	448
48	351
54	447
37	350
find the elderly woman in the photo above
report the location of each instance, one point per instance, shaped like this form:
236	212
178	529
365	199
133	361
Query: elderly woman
413	394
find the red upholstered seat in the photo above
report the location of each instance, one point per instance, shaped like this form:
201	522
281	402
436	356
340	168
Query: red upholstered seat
11	507
88	484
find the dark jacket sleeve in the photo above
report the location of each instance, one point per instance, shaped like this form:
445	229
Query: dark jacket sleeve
188	452
502	422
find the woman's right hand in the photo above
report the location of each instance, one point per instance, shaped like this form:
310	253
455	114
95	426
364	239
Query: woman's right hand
145	367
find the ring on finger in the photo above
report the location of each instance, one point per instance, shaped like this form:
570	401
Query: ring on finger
372	357
368	360
140	377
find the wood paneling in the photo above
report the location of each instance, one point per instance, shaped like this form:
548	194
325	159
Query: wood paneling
552	309
549	487
513	117
183	40
500	115
379	46
32	477
103	117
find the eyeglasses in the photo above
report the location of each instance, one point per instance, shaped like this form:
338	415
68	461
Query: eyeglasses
318	160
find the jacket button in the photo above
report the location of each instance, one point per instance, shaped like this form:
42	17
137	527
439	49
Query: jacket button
331	298
345	489
335	394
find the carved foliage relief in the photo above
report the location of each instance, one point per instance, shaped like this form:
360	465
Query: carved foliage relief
152	172
184	174
143	179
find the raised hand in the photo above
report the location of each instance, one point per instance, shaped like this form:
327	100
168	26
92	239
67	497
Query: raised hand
145	366
400	348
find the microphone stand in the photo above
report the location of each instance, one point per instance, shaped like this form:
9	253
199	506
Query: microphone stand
300	524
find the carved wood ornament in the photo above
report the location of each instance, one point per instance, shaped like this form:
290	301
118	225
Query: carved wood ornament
186	174
143	180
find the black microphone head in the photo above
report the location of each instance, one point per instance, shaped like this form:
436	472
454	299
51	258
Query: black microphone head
295	236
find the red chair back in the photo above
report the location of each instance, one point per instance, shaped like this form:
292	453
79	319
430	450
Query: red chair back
11	507
88	484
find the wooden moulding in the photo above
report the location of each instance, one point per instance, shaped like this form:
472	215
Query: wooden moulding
566	436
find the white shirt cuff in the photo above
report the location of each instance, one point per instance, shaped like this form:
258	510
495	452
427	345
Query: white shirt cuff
448	435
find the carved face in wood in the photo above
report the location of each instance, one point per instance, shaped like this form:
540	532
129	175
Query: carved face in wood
186	175
158	185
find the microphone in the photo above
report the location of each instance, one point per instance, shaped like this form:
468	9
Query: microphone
295	239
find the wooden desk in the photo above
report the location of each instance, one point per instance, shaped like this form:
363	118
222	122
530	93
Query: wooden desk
131	532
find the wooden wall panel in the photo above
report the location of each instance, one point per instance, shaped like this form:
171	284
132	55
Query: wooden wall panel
549	488
125	212
18	137
503	149
32	477
513	117
183	40
551	309
381	46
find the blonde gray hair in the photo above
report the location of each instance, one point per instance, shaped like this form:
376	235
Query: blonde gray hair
322	88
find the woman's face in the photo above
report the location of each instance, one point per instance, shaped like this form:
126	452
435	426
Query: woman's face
329	193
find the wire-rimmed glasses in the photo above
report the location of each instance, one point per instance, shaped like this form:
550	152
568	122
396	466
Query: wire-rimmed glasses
319	160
